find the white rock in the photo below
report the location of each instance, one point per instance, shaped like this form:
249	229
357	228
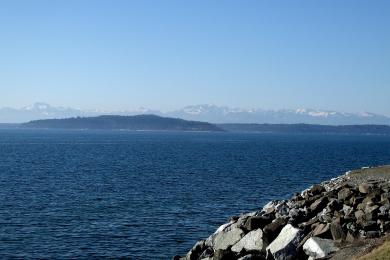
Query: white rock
316	247
251	241
221	228
285	244
224	240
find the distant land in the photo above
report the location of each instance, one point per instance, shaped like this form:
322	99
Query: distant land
307	128
205	113
138	122
158	123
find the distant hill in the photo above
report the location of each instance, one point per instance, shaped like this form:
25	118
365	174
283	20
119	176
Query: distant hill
307	128
138	122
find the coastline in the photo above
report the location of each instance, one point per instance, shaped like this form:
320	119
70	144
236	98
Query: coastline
323	221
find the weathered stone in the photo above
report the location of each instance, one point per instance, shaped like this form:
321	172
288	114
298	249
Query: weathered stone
269	207
319	248
256	222
360	216
350	236
344	194
223	240
347	210
337	231
253	241
272	229
317	189
286	243
322	230
318	205
385	197
365	188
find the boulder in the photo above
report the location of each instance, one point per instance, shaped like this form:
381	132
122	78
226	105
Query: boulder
286	243
272	229
322	230
318	205
344	194
316	247
223	255
337	230
253	241
223	240
317	189
256	222
196	250
365	188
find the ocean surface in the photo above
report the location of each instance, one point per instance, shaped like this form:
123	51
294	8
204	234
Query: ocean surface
151	195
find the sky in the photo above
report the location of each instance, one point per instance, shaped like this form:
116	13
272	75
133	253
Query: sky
163	54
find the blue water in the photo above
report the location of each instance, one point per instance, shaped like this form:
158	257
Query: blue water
151	195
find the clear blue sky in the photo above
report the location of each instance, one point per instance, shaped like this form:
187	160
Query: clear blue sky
329	54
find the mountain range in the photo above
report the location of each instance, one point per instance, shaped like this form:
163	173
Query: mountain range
207	113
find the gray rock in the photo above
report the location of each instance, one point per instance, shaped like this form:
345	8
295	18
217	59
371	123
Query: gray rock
253	241
286	243
223	240
322	230
319	248
318	205
337	231
344	194
365	188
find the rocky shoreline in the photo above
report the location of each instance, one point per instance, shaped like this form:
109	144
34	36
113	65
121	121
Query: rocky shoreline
316	223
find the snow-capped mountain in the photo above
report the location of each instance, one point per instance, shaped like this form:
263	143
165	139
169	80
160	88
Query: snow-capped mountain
217	114
208	113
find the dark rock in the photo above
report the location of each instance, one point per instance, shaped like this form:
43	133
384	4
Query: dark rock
196	250
272	230
369	225
208	252
252	257
176	257
256	222
334	204
372	234
224	255
355	200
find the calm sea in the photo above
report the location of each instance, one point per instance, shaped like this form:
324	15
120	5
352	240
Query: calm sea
151	195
